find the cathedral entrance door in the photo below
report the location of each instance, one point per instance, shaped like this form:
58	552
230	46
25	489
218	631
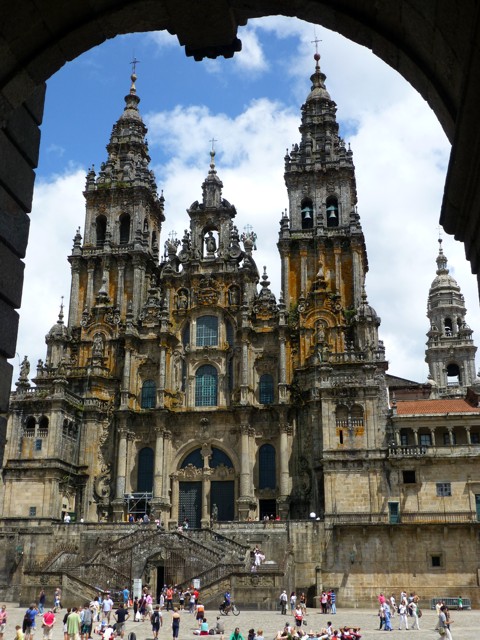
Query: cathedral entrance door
267	508
222	493
190	503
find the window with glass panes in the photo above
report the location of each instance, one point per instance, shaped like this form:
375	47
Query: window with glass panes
148	394
444	489
266	389
206	380
207	331
267	468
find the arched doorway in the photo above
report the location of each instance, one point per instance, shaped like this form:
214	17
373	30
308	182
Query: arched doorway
206	487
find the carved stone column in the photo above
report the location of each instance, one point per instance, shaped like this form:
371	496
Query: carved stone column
173	522
75	309
90	278
121	464
121	301
124	393
167	445
161	379
284	484
159	464
245	499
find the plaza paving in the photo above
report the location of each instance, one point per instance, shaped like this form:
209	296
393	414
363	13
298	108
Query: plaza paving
465	627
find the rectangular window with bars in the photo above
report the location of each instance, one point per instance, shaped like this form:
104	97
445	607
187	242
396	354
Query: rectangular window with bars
444	489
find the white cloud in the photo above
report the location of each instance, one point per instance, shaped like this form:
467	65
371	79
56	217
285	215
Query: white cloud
252	58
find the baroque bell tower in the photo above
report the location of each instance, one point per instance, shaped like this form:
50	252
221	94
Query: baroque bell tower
337	361
450	352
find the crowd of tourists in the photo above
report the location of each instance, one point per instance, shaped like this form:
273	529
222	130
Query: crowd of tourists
101	617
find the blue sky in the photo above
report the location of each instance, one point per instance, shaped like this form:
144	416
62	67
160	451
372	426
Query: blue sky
251	106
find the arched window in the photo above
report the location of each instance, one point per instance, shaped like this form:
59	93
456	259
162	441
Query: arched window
194	458
207	331
206	382
43	427
266	389
267	474
219	457
453	375
357	415
124	228
145	470
30	424
448	326
101	228
307	213
148	394
332	212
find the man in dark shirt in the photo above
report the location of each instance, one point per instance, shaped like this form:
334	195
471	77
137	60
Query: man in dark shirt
121	614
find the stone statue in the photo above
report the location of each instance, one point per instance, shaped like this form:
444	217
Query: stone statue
97	349
210	243
24	369
214	513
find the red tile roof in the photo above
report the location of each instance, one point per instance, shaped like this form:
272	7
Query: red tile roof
425	407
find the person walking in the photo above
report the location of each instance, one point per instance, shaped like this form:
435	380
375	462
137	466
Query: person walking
386	612
443	624
293	602
73	624
175	623
414	613
41	601
283	602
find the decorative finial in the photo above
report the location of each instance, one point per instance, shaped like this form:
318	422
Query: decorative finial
133	77
316	57
60	315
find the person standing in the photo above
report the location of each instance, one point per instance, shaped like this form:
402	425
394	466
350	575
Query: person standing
87	622
169	598
283	602
176	624
402	616
126	596
28	627
41	601
293	602
332	596
57	599
3	620
47	624
73	624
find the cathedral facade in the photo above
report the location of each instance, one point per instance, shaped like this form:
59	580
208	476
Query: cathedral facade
180	387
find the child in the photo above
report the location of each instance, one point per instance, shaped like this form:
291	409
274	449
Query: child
19	635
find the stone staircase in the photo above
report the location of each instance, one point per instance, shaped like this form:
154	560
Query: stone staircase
197	553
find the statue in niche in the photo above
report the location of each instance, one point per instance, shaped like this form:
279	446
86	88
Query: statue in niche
233	296
97	349
210	243
177	371
182	300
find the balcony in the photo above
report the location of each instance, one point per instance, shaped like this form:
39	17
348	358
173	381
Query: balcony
426	517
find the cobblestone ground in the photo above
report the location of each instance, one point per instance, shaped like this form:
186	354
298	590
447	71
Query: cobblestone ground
466	624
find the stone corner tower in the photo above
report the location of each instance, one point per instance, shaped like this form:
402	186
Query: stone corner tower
450	352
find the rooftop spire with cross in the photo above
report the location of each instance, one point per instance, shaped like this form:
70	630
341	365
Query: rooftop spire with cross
133	77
